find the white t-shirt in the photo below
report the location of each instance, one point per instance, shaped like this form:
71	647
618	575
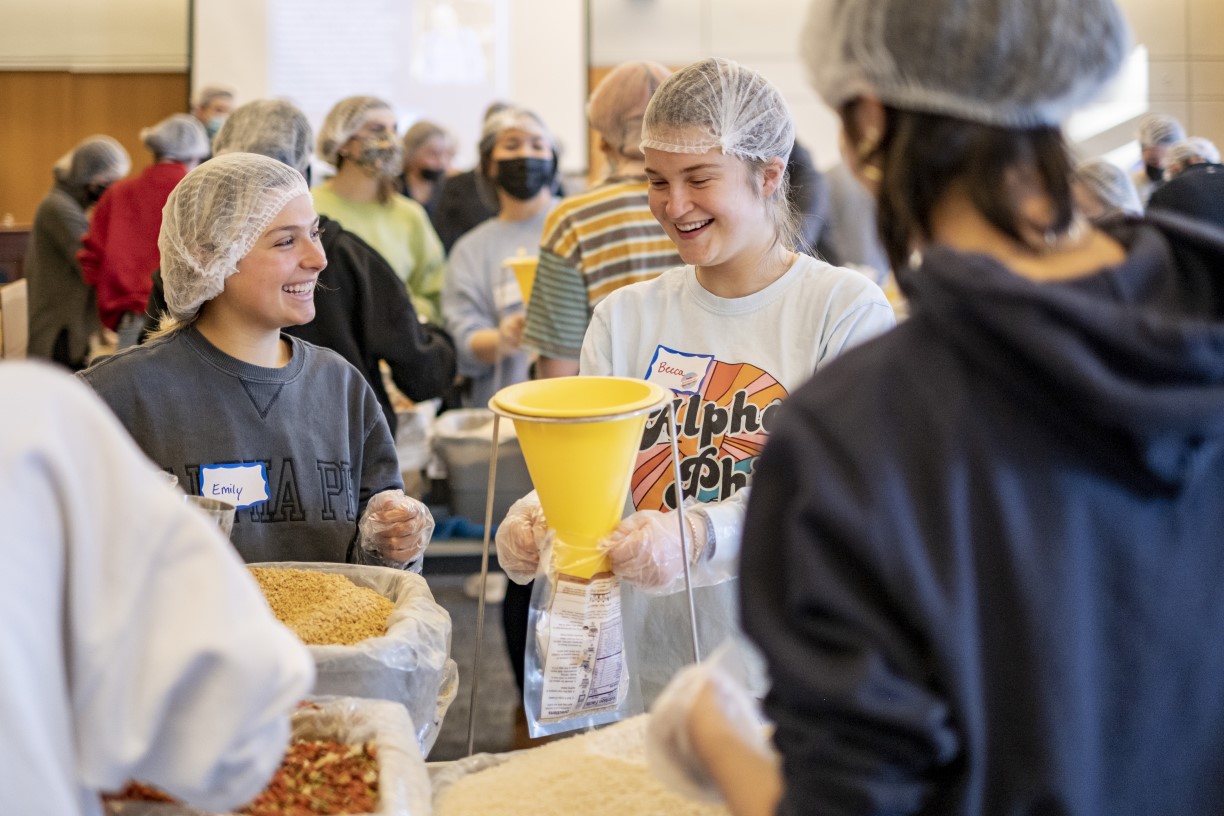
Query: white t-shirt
134	643
731	362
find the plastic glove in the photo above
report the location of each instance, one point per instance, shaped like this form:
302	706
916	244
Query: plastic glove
521	537
395	527
511	330
712	696
645	548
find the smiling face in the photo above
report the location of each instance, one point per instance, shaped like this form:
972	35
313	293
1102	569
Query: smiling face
713	206
275	282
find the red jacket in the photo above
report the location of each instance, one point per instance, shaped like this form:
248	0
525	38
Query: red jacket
119	253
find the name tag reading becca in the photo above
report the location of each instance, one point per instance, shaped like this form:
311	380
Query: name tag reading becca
241	485
682	373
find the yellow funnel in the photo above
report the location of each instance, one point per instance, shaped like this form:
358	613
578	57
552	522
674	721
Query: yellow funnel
524	269
580	437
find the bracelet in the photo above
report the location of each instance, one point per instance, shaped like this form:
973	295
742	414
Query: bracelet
706	550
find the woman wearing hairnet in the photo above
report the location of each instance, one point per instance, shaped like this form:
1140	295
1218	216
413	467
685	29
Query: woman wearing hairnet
63	308
732	333
1103	189
358	139
119	253
481	298
982	555
287	431
429	149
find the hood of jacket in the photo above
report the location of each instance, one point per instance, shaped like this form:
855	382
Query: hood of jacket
1128	361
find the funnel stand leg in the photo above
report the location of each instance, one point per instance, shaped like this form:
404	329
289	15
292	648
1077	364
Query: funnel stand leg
683	522
484	578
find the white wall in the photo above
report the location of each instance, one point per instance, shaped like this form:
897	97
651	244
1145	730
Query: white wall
94	35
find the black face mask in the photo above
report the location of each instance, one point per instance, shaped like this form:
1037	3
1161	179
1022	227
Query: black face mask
1154	173
94	192
523	178
431	173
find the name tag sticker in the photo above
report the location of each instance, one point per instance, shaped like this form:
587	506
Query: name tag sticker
681	372
242	485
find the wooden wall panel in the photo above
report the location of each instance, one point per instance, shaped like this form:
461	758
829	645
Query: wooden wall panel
44	113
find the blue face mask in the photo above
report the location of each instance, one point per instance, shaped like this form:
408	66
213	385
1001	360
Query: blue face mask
213	125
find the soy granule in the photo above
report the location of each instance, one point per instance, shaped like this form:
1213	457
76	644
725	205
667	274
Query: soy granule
324	608
601	773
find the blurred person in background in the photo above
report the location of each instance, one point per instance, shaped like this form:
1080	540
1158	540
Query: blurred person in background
358	138
63	308
466	199
975	545
1196	184
809	197
212	105
119	252
134	644
1102	189
1188	152
362	311
429	150
285	430
596	242
481	298
1157	133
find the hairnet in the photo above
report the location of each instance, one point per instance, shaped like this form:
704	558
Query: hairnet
719	103
619	101
269	127
213	218
507	118
344	119
1111	184
419	135
1188	150
179	138
210	92
1157	129
95	158
1009	63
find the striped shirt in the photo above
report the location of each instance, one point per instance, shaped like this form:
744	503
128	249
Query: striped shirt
593	244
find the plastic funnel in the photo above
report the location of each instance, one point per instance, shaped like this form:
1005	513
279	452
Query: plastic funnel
524	269
580	437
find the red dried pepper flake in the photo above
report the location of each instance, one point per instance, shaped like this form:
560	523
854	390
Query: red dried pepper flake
316	778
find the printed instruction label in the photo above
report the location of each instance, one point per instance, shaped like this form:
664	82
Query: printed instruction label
241	485
585	666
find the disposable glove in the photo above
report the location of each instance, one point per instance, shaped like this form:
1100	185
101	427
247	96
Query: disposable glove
713	690
395	527
645	548
521	538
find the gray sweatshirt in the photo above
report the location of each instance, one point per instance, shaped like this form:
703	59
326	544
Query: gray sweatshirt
310	437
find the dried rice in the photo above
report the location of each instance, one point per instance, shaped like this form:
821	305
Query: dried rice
324	608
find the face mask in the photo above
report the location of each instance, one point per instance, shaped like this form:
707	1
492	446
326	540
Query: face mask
1154	173
382	157
523	178
213	125
94	192
431	173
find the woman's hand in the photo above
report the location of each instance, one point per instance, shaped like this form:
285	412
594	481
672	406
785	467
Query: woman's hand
395	526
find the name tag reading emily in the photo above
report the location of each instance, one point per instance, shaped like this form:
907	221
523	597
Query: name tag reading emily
682	373
241	485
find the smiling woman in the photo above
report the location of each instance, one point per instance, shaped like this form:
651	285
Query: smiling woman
221	398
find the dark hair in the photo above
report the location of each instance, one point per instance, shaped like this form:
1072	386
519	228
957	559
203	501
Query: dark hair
921	154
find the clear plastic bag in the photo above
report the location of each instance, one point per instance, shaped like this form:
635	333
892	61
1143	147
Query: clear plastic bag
411	664
403	783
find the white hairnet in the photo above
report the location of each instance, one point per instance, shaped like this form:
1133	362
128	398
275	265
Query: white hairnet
1157	129
1010	63
344	119
269	127
719	103
213	218
507	118
210	92
1196	148
1110	184
619	101
419	135
95	158
178	138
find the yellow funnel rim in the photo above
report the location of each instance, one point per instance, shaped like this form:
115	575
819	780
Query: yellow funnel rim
575	398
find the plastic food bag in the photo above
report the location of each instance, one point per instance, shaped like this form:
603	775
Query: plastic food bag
411	664
403	784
